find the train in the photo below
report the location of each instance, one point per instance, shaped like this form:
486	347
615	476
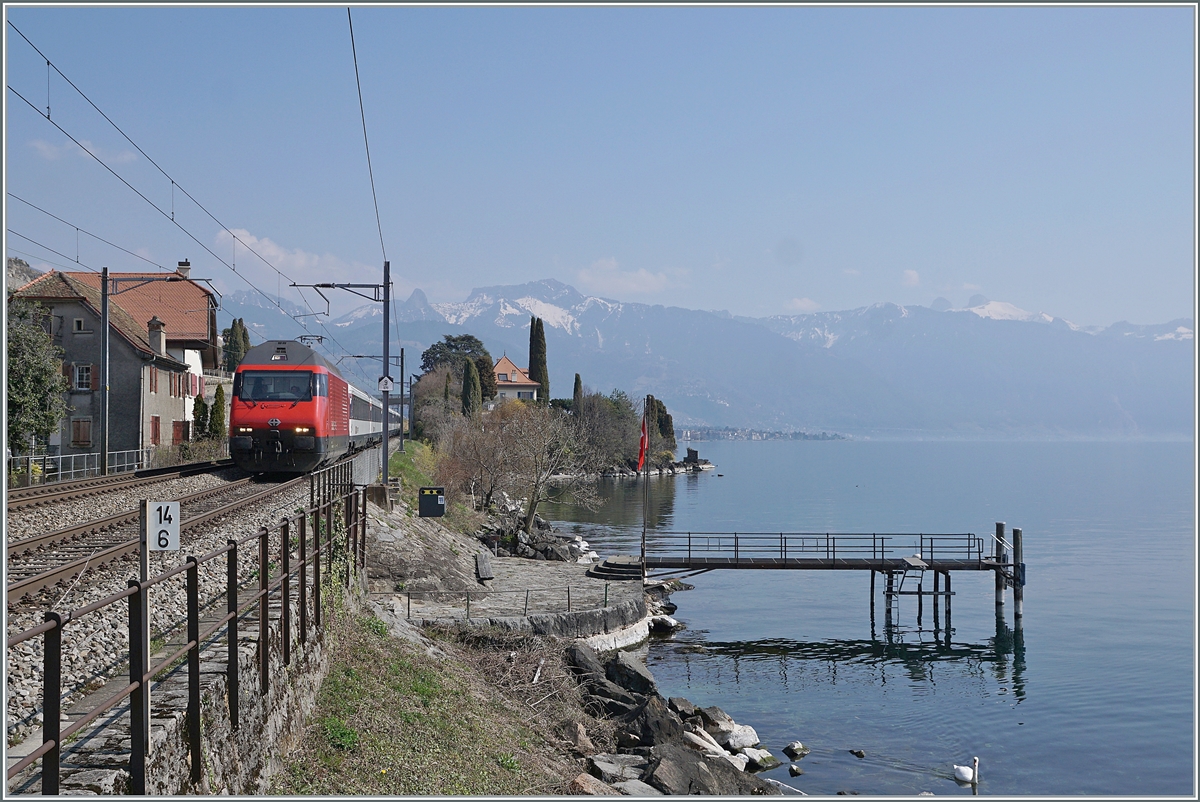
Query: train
292	411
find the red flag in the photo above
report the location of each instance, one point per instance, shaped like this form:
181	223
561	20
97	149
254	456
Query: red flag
643	444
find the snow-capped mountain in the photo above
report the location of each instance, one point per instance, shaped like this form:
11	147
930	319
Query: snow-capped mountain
988	368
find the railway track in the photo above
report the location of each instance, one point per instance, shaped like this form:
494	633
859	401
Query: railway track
42	561
41	495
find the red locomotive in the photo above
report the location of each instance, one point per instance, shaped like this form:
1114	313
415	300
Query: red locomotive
292	411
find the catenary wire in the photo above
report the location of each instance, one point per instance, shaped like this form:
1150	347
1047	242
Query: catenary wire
362	111
85	231
176	223
174	184
47	247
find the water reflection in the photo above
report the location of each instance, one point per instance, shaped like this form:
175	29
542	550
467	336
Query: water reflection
919	653
621	504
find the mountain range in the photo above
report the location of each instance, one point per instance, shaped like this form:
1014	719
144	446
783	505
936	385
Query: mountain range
987	369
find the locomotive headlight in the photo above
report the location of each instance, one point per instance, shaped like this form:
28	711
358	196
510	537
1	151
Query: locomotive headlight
245	430
303	430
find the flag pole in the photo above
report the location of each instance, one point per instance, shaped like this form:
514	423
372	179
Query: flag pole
645	447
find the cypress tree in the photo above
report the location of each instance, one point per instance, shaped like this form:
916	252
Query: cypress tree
538	371
216	416
245	339
471	406
484	366
577	396
199	418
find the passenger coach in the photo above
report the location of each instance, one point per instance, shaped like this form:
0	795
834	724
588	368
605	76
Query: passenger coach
292	411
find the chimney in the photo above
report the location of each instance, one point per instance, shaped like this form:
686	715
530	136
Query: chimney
158	337
185	269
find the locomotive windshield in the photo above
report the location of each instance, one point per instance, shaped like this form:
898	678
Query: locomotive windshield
276	385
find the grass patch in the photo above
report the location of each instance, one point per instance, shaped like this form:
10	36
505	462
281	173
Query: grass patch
392	720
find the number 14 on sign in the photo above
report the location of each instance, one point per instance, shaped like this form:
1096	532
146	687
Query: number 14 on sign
162	525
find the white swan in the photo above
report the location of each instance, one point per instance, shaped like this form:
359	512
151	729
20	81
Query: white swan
968	774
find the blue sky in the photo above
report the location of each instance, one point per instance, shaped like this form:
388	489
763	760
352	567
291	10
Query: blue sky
764	161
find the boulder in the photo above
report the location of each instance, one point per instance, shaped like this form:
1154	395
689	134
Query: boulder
740	737
700	744
676	769
651	724
740	762
717	722
584	660
683	707
630	673
761	759
664	624
617	768
794	770
577	735
557	552
590	786
708	740
636	788
796	750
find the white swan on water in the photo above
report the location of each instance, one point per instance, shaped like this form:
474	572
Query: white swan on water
968	774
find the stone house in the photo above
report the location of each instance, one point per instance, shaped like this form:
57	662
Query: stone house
512	382
162	336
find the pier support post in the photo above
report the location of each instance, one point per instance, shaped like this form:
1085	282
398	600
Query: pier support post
1000	555
1018	574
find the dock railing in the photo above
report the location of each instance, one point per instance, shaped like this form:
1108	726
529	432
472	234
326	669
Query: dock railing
755	547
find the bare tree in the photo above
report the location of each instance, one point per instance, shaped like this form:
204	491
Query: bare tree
547	455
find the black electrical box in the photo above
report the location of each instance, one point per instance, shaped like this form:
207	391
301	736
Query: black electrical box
431	502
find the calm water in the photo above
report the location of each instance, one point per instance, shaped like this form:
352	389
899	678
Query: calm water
1094	694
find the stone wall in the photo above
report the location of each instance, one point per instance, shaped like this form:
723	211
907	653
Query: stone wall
576	624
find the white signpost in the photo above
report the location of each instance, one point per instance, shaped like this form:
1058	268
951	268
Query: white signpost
385	384
159	532
163	526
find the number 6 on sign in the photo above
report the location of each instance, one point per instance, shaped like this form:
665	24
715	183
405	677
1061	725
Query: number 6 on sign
163	526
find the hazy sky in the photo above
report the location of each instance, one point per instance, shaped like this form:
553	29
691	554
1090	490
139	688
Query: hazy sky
760	160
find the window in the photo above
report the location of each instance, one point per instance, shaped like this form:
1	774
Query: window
153	379
503	377
528	396
83	377
81	432
78	324
155	429
276	385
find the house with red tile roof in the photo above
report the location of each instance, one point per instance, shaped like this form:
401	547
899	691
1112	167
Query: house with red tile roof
162	335
512	382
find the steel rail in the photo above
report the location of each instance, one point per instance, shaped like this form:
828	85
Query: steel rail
55	575
22	498
25	545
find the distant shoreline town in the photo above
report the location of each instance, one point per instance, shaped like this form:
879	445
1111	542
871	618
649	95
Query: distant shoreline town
731	433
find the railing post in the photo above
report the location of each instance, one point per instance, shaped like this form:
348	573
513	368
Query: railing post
231	609
362	541
138	698
303	578
351	536
193	633
468	605
689	549
526	611
316	567
264	657
568	598
52	703
999	560
1018	574
735	549
285	593
605	594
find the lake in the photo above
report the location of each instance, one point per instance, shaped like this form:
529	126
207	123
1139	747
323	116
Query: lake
1092	694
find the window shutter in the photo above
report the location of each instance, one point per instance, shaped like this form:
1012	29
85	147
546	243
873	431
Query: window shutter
95	377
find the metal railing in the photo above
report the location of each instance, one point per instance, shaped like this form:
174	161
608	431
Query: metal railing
761	546
24	471
561	599
297	549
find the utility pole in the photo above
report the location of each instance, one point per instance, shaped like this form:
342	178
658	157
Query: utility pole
104	372
382	293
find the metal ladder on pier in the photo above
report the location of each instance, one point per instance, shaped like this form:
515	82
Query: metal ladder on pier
914	569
